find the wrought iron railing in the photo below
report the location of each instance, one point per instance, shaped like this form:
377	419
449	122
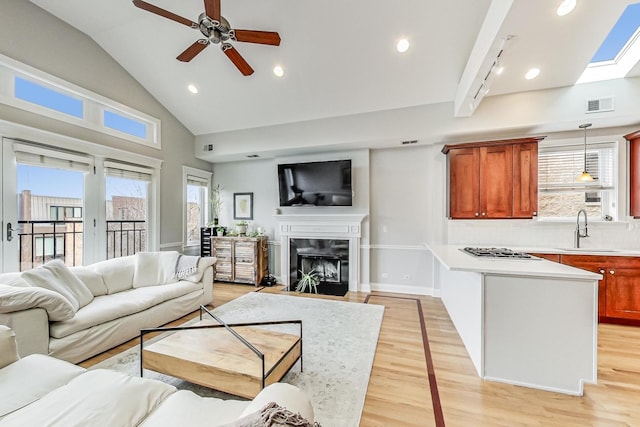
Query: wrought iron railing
44	240
126	237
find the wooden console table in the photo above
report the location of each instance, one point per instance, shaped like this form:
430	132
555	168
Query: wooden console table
239	259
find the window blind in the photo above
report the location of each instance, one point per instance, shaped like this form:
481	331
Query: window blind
36	155
197	181
128	171
559	168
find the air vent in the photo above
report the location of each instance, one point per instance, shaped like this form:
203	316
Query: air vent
413	141
599	105
207	147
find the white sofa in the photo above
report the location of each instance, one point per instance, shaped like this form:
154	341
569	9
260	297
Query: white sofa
78	312
39	390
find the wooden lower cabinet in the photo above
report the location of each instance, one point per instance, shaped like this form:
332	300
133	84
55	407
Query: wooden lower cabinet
619	289
240	259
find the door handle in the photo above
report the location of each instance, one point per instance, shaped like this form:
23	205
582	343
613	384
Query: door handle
10	232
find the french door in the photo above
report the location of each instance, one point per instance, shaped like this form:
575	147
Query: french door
43	205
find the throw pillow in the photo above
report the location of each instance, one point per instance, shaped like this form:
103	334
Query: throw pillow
57	277
91	279
272	415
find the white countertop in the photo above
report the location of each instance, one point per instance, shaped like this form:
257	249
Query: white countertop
575	251
454	259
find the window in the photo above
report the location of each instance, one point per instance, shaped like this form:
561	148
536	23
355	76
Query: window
196	199
61	213
41	95
127	193
620	50
561	196
124	124
32	90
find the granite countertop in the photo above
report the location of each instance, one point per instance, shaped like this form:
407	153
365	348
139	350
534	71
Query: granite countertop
454	259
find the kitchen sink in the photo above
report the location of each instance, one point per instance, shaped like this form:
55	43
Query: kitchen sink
590	250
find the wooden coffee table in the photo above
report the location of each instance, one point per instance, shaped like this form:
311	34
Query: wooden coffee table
225	357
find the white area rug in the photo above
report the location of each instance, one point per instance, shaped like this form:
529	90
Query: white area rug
338	343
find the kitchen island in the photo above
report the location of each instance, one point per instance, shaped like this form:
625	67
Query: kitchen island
529	322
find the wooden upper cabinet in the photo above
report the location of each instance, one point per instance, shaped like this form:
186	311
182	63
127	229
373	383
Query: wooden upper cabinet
525	180
493	180
496	182
634	173
464	185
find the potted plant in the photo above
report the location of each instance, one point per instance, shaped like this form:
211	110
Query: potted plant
220	230
241	227
308	280
215	202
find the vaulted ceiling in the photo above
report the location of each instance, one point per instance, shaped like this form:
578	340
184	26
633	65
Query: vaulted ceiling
339	57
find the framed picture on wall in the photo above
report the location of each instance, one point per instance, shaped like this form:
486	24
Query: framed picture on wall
243	206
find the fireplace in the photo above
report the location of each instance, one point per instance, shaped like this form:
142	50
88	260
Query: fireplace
327	259
330	243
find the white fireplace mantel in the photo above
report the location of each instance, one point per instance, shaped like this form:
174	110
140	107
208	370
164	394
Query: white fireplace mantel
322	226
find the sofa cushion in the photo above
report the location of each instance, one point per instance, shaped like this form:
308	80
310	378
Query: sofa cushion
117	273
94	398
13	279
30	378
14	299
184	408
108	307
91	279
56	276
155	268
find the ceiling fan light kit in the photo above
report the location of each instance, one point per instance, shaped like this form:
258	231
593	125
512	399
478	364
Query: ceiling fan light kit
216	30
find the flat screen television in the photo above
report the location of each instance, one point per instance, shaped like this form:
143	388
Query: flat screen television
326	183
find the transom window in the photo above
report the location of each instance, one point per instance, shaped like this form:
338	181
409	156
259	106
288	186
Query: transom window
560	195
32	90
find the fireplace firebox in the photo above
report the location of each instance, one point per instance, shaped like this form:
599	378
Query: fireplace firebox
328	259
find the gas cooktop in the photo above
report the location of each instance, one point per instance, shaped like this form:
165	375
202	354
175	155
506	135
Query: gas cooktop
497	253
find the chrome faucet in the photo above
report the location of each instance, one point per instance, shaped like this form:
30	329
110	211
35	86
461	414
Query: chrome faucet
579	231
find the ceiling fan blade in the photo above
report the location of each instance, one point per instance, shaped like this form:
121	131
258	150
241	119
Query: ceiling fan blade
237	59
190	52
262	37
164	13
212	9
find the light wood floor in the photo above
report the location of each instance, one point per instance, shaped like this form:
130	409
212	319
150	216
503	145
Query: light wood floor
399	392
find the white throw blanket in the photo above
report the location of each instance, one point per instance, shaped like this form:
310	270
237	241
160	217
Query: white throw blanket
186	266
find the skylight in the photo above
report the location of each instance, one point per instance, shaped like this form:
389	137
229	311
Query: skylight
619	52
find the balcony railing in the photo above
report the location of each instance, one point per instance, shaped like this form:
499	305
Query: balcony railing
126	237
44	240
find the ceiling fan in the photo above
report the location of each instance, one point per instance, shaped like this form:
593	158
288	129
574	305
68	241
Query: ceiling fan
216	30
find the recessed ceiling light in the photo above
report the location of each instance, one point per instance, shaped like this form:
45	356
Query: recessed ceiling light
403	45
532	73
192	88
566	7
278	71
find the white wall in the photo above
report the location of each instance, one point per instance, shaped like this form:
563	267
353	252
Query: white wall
400	186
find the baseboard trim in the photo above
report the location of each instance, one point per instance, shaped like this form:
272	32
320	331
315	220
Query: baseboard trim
401	289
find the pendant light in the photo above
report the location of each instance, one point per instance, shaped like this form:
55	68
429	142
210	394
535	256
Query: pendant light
585	176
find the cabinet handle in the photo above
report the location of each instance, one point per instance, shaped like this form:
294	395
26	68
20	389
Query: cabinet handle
612	271
477	214
601	271
535	213
484	214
